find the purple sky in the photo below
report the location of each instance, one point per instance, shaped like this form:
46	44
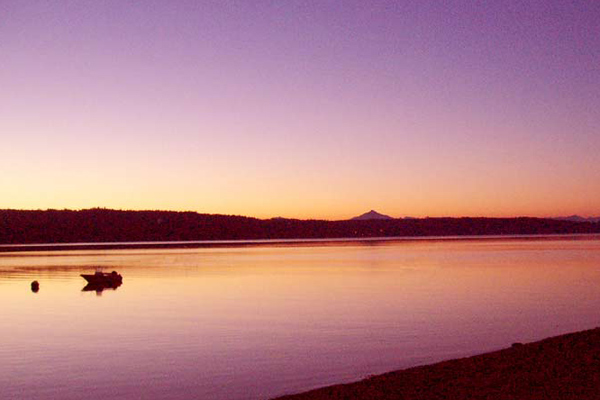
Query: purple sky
302	109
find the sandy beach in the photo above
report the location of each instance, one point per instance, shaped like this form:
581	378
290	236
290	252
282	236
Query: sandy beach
561	367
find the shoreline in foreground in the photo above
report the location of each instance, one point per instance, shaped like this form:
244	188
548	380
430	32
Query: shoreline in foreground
560	367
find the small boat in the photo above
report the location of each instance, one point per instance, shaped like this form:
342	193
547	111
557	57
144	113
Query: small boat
111	279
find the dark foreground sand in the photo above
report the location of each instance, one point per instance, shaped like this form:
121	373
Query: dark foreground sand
562	367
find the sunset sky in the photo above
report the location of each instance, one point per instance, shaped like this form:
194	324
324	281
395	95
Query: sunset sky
302	109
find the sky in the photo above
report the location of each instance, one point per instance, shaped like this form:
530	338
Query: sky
302	109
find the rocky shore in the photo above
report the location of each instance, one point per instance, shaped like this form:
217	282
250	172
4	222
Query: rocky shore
561	367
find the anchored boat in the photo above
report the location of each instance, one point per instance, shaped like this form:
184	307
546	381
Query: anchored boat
106	279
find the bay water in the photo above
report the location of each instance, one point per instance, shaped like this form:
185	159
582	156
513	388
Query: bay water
254	322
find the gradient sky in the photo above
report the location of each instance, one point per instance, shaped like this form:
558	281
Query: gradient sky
312	109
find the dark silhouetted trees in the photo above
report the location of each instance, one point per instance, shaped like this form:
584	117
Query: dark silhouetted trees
104	225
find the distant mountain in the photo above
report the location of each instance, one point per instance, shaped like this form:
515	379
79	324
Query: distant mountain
370	215
578	218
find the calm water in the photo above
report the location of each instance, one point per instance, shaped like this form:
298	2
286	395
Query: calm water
255	322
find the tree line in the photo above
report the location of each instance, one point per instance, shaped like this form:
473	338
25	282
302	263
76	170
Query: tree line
105	225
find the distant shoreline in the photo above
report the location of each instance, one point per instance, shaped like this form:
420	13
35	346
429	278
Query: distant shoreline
9	248
561	367
164	228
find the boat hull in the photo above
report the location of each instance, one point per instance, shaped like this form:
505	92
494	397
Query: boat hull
103	279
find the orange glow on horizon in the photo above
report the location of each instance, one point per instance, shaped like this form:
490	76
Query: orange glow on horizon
146	112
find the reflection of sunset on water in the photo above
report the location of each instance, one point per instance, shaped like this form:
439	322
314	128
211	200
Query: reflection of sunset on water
286	317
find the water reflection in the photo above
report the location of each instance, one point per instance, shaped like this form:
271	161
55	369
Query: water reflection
99	287
252	323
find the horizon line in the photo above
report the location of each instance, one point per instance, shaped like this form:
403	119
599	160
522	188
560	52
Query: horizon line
302	219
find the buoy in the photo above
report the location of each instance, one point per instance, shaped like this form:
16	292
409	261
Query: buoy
35	286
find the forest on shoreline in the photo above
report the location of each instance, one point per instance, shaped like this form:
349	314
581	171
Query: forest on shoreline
104	225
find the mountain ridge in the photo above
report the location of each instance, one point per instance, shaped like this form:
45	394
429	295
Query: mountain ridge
370	215
578	218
